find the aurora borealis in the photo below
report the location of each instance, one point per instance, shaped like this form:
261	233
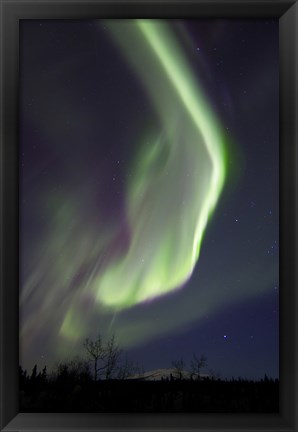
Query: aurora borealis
136	198
177	178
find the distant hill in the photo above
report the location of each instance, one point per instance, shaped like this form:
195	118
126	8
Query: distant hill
165	374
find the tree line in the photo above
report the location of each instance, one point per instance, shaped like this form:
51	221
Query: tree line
106	380
103	360
106	360
197	363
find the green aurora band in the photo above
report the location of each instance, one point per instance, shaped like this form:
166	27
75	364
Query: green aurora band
178	174
174	183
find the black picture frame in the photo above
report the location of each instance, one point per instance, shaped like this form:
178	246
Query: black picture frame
13	11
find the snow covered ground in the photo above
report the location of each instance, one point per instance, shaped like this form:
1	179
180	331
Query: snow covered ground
165	374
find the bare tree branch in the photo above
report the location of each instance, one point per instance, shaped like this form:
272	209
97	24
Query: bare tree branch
127	369
197	363
96	352
112	358
179	367
104	356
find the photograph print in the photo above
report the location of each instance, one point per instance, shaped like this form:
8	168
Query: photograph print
149	216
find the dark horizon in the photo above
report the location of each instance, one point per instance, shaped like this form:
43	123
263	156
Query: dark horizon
72	389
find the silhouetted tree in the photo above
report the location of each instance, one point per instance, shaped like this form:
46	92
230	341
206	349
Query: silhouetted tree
127	368
197	363
70	372
113	353
266	379
179	367
105	356
44	374
23	377
96	352
213	374
34	373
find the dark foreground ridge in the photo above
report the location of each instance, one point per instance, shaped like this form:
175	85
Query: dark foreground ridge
79	393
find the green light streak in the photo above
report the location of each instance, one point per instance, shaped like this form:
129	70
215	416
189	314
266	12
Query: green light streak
177	178
197	108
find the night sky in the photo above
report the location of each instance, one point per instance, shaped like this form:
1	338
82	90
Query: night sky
149	176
